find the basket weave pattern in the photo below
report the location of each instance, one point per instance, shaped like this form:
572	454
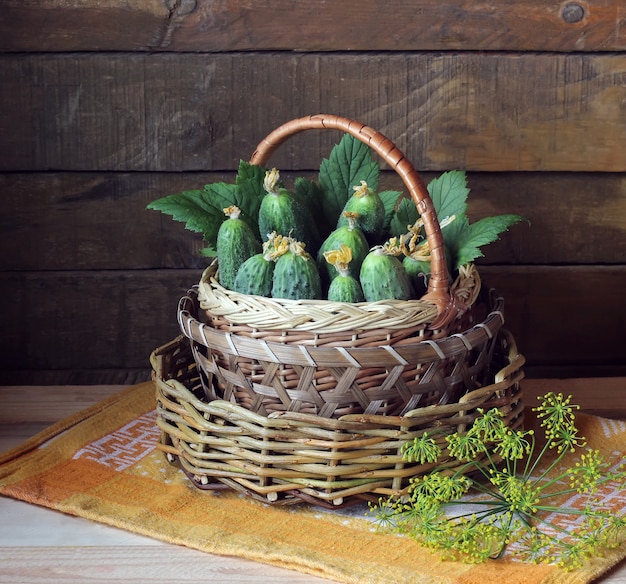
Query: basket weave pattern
292	457
387	376
227	307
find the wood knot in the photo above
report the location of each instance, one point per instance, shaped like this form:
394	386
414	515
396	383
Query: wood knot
572	13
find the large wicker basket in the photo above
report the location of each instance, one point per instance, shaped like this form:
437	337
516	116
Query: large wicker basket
290	457
313	400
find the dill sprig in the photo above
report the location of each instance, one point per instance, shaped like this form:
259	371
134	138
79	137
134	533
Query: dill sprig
507	492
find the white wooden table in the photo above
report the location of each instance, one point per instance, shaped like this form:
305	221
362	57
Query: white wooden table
40	545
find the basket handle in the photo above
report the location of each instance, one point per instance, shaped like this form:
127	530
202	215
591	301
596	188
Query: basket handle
438	286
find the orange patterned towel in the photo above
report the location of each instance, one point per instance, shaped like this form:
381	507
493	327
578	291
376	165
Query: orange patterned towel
103	465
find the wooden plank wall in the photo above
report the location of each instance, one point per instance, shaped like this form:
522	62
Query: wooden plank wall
106	105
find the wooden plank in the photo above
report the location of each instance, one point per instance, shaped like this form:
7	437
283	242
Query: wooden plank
85	375
82	221
194	112
316	25
133	562
36	405
563	317
74	221
88	320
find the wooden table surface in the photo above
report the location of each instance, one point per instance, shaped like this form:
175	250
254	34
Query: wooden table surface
40	545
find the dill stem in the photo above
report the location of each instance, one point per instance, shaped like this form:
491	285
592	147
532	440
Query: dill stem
544	450
548	470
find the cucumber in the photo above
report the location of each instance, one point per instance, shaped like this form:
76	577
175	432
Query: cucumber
371	212
236	242
285	213
382	277
418	267
344	287
255	276
417	271
349	235
256	273
416	261
296	275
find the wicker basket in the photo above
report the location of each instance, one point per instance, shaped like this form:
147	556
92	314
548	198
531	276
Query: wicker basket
291	401
290	457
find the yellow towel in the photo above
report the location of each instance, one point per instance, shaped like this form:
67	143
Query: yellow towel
102	464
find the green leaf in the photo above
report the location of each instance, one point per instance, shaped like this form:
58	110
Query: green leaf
194	208
202	211
349	163
449	194
250	193
250	179
309	192
390	200
222	195
406	214
480	233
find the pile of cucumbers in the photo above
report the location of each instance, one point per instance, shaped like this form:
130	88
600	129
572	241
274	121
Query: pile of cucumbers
294	260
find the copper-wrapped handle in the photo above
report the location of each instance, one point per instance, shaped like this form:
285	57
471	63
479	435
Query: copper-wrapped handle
438	284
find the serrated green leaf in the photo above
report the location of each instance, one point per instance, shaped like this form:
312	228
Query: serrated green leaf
481	233
222	195
449	194
250	179
349	163
309	192
311	196
406	214
193	208
250	193
201	211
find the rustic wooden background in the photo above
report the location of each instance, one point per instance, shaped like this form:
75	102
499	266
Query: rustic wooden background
105	106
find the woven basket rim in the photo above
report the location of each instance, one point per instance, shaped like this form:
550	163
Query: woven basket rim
325	316
383	353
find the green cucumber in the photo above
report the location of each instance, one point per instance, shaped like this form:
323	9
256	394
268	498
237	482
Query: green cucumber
285	213
296	275
236	242
344	287
256	273
416	261
349	235
383	277
255	276
371	212
419	267
417	271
